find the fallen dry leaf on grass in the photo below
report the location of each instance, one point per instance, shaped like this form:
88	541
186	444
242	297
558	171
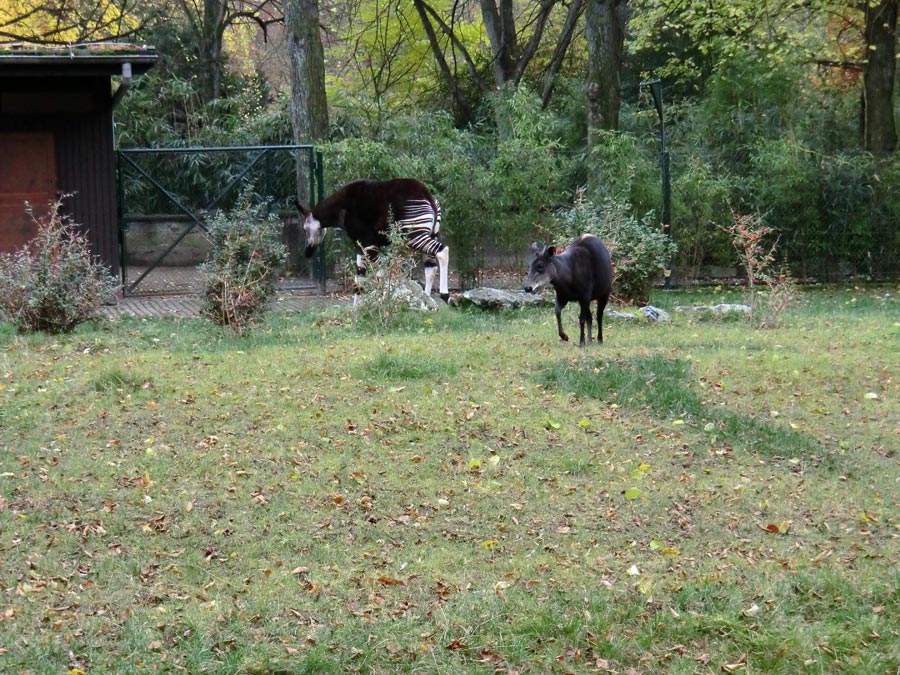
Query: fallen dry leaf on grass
740	664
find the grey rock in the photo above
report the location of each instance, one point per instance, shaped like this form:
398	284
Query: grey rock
616	314
415	297
655	314
725	309
720	311
496	298
408	292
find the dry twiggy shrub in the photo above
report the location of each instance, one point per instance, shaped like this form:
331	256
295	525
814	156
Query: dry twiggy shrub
54	282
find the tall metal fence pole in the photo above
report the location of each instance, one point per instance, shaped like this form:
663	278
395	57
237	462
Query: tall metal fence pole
120	206
656	89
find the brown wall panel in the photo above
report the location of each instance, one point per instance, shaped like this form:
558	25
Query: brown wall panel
84	154
28	175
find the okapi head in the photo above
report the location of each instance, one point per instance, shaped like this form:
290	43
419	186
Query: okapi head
312	228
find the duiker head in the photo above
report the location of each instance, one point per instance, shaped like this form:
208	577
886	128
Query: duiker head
539	270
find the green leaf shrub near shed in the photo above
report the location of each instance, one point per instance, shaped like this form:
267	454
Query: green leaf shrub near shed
241	276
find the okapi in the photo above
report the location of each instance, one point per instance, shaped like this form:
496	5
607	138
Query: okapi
581	272
366	209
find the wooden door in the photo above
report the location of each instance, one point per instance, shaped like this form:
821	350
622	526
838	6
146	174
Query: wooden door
27	173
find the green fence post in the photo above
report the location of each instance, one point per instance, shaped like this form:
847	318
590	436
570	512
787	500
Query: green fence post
123	239
656	89
317	193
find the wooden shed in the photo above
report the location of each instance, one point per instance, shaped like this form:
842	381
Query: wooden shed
56	136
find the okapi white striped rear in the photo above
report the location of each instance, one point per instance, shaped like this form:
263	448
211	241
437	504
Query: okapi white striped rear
419	223
366	209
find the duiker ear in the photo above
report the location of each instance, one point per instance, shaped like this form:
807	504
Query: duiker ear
535	249
302	209
550	252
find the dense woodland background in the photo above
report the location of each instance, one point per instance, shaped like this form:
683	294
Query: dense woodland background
784	109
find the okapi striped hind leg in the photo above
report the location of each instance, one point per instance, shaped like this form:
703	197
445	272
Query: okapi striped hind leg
444	262
430	266
439	261
420	227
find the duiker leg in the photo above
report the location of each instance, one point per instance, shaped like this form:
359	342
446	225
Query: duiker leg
601	307
584	318
559	308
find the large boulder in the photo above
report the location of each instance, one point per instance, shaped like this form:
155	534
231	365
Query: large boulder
721	311
407	292
655	314
620	315
645	313
496	298
414	296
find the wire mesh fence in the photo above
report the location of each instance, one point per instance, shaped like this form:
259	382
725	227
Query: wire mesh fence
166	196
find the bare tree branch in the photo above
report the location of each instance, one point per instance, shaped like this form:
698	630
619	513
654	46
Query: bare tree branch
457	44
462	105
576	7
540	22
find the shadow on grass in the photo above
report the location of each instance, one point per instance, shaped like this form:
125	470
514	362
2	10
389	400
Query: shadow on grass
664	387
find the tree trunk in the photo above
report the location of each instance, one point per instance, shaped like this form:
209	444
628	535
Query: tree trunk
879	128
499	24
309	107
211	47
605	34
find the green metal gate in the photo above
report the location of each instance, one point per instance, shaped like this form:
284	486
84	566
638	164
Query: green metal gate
166	195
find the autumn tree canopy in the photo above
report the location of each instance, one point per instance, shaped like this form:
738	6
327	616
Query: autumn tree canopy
72	21
380	56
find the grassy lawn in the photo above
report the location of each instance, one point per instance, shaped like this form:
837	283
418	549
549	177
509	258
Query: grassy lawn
466	495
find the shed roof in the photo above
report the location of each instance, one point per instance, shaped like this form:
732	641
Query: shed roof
97	58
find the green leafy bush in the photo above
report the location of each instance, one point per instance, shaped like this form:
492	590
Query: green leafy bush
885	252
639	251
701	198
164	109
844	235
242	272
525	174
625	168
749	101
53	283
784	187
356	158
